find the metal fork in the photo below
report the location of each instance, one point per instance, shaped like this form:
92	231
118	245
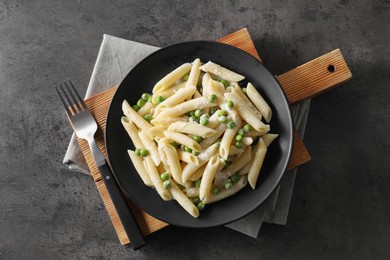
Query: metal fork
85	126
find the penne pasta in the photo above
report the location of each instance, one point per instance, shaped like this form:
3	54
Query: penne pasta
221	132
208	177
259	102
184	201
188	158
170	78
269	138
156	180
258	159
191	128
136	118
138	163
222	72
183	139
193	104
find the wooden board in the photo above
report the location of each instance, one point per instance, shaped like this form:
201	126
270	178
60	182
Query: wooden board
300	83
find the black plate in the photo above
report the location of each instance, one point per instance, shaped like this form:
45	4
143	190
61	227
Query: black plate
143	77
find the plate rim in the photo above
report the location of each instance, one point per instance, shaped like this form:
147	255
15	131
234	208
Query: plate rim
289	152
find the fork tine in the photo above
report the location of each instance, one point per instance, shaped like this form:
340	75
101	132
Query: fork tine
67	98
78	95
63	101
76	104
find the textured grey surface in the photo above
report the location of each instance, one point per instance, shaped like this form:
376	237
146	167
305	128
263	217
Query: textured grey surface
340	206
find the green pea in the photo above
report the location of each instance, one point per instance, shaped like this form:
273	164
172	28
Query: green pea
223	113
150	99
222	119
239	138
215	190
204	121
241	132
144	152
219	143
197	183
200	206
186	76
192	113
136	108
145	96
235	178
188	150
165	176
212	111
138	152
193	119
197	138
167	184
148	117
213	98
225	83
160	99
195	153
198	113
239	144
247	128
196	201
244	90
231	125
230	104
141	102
228	185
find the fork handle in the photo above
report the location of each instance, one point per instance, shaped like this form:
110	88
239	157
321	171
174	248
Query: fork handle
130	225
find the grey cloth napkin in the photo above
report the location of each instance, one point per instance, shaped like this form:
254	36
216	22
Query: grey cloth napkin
115	59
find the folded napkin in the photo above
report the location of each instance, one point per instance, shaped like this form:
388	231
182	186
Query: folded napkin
115	59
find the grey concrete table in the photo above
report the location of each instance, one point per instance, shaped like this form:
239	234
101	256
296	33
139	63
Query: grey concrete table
340	206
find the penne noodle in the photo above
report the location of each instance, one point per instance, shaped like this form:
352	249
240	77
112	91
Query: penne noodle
168	92
224	193
146	109
237	90
176	98
211	140
194	74
238	163
245	170
250	117
184	201
191	128
228	136
193	104
151	147
170	78
156	180
164	122
173	162
138	163
247	141
258	159
132	131
222	72
203	157
234	150
188	158
198	173
138	120
208	177
269	138
183	139
259	102
192	192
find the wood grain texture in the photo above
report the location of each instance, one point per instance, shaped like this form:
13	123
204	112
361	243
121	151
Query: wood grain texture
315	77
99	104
